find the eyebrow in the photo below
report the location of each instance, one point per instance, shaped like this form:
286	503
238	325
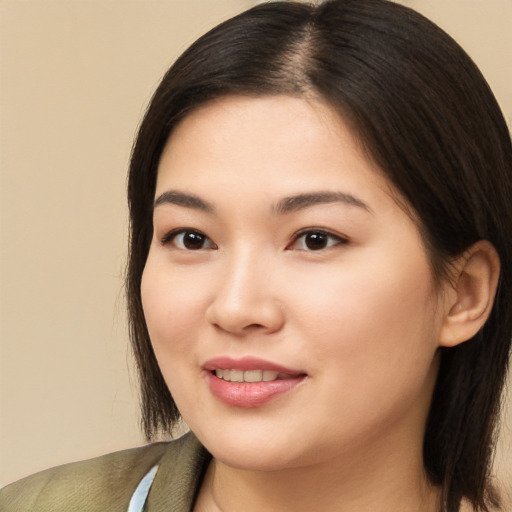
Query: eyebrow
286	205
183	199
302	201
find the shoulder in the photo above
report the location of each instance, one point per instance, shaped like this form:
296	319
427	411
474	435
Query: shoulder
99	484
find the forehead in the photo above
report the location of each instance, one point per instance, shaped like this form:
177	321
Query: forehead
272	138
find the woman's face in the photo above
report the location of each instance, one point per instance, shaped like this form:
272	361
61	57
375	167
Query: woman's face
289	299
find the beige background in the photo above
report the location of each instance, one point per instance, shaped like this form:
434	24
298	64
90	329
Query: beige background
75	78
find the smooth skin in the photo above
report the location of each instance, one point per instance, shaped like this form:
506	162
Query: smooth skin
276	238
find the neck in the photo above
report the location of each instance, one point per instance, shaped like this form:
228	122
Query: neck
391	483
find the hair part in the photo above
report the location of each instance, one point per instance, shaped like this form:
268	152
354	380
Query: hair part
424	113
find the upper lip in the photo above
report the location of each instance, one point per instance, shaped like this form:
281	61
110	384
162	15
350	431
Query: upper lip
246	364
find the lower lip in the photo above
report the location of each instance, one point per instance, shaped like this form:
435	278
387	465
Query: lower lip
250	394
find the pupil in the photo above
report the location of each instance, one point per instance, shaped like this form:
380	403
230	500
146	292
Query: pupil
315	241
193	240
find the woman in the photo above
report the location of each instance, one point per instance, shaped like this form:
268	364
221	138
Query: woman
319	276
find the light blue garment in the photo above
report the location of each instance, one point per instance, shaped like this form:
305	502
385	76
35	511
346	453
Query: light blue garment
140	495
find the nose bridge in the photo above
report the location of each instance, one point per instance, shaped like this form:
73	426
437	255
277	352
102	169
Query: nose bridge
242	271
245	297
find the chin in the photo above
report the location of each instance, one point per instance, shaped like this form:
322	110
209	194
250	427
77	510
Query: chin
254	460
256	449
245	450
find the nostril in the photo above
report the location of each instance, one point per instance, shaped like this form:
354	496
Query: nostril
244	316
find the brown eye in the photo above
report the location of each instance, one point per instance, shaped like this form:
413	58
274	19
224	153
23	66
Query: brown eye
189	240
316	240
193	240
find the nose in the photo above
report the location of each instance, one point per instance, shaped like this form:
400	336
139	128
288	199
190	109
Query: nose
245	300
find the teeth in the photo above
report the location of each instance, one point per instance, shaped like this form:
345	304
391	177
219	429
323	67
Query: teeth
250	375
269	375
236	375
253	376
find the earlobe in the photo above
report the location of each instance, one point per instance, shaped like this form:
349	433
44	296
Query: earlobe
475	284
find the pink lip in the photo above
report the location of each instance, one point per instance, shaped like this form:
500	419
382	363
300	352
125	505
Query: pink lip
249	394
246	364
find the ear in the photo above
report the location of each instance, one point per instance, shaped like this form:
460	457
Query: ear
474	287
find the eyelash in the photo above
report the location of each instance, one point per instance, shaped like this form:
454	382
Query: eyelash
323	236
332	239
175	233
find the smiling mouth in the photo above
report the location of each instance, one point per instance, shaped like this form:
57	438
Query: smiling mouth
249	381
252	375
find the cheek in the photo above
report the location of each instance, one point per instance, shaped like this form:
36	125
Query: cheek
372	313
374	341
170	305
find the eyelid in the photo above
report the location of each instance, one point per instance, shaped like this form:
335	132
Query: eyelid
170	236
339	239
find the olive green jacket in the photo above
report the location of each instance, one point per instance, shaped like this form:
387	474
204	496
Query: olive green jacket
107	483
